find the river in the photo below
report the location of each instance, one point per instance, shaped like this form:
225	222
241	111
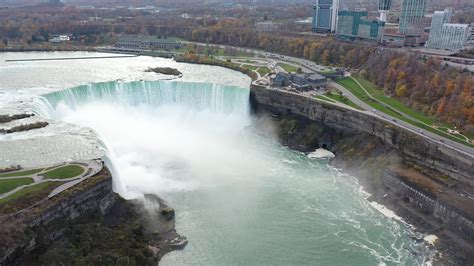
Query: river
240	197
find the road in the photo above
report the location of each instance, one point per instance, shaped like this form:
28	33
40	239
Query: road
468	151
309	66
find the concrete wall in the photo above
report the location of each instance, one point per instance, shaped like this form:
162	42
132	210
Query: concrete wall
412	147
453	218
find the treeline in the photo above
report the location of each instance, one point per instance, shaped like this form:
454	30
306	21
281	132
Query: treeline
325	50
428	86
207	60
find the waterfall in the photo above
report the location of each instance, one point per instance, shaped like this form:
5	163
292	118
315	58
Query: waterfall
199	96
141	124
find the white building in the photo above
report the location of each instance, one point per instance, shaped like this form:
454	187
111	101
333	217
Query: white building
59	38
267	26
471	36
447	36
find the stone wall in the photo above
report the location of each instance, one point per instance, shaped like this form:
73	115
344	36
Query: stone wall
452	217
413	148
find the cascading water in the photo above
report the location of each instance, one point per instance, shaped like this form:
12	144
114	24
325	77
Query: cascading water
240	198
164	99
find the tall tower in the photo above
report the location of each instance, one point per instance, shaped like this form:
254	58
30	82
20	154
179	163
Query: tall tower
411	18
325	15
384	8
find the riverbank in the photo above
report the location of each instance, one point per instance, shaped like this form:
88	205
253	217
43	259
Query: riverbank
413	190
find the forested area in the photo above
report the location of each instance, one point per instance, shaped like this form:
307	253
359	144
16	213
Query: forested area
429	86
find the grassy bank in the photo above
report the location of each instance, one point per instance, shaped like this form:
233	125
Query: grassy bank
27	197
355	89
21	173
288	68
64	172
342	99
7	185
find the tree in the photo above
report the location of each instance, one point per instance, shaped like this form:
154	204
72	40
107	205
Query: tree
401	90
442	106
326	57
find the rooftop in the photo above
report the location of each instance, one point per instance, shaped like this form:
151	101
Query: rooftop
126	38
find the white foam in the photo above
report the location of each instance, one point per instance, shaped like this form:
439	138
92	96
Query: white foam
431	239
321	154
385	211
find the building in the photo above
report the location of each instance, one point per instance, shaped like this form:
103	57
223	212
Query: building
411	18
146	43
355	25
325	16
384	8
303	82
451	37
470	41
59	38
393	39
447	36
266	26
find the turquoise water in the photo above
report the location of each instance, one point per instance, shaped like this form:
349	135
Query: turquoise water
240	197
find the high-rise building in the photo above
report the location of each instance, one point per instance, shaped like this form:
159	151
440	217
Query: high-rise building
384	8
325	15
447	36
355	25
411	18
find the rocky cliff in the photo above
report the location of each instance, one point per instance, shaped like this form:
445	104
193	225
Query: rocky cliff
412	147
88	224
37	227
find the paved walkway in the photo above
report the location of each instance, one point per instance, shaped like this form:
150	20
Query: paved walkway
91	168
94	167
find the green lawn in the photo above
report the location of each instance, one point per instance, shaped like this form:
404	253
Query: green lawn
342	99
7	185
21	173
27	197
288	68
380	95
251	62
263	71
250	67
326	99
353	87
327	72
31	191
64	172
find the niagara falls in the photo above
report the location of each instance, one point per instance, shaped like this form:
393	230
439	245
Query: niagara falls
240	197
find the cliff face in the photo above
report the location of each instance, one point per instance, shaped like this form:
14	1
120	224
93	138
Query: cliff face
412	147
37	227
428	185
